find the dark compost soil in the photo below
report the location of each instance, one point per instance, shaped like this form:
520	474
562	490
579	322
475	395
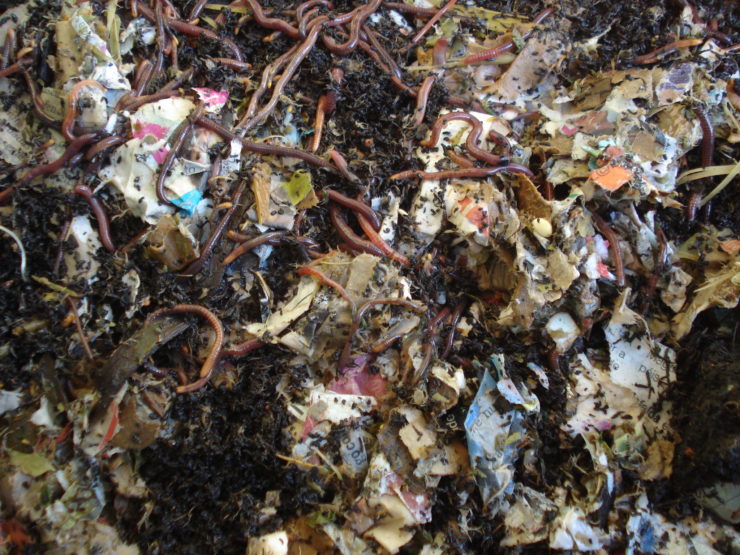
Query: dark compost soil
209	477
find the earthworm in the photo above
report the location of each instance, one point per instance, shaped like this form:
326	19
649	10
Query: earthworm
693	206
196	31
158	372
462	172
104	144
197	8
76	159
303	50
471	143
422	98
271	22
326	280
192	30
356	22
260	148
171	10
707	141
161	37
237	237
345	17
326	106
100	214
266	238
231	63
178	140
433	139
149	72
343	167
17	66
395	79
653	56
527	116
430	345
356	206
210	363
304	19
455	318
78	324
195	266
378	241
734	48
135	103
502	141
215	171
428	25
243	348
267	75
438	318
71	113
707	155
177	81
614	248
144	67
544	14
38	103
385	343
364	307
8	48
459	159
464	104
349	236
142	78
660	261
73	148
724	38
508	45
374	41
44	169
63	233
439	52
153	405
307	241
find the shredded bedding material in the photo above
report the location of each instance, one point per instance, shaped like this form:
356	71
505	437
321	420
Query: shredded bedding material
380	277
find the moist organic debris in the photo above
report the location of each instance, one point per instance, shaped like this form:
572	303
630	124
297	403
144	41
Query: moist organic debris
373	277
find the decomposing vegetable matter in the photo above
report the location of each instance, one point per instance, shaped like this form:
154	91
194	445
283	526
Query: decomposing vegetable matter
369	277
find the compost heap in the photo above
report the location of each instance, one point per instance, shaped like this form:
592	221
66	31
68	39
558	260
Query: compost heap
360	278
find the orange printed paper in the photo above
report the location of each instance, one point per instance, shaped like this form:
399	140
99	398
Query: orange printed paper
610	177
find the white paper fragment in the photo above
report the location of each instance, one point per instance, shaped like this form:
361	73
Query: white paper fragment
82	262
338	407
352	451
527	519
44	416
288	313
416	434
571	530
563	330
275	543
9	400
636	361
